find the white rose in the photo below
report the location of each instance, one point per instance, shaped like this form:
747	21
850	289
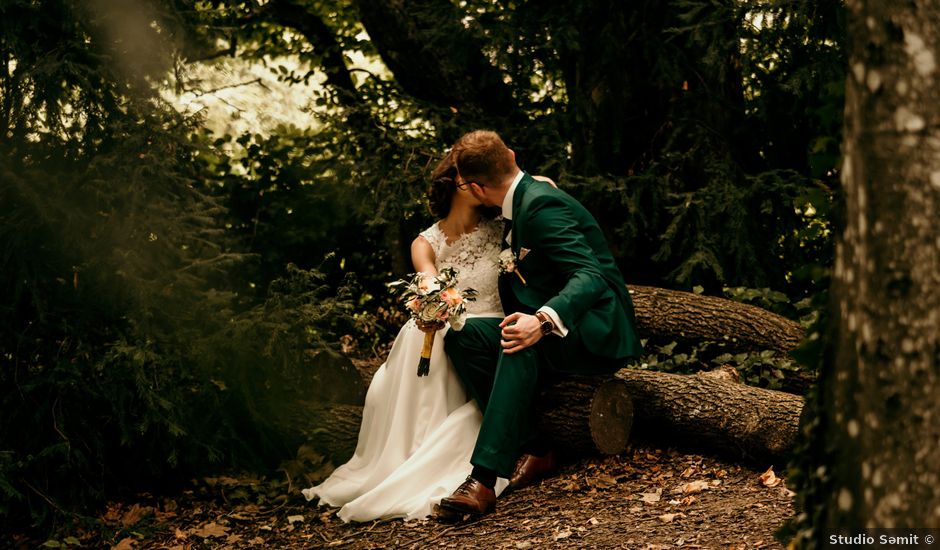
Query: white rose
430	312
458	321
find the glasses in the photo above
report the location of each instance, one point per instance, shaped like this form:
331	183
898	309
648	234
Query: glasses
462	184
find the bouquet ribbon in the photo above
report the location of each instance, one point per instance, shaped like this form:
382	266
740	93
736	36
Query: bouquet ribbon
424	364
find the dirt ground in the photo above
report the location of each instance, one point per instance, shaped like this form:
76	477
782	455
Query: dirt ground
646	498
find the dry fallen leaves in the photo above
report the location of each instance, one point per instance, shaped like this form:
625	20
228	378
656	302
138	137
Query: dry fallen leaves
135	514
113	513
769	478
693	487
653	497
603	481
211	529
125	544
667	518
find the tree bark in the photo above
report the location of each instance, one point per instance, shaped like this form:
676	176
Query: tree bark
668	315
330	428
701	411
877	439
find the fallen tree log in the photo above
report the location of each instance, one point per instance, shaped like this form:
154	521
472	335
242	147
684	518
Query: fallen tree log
705	412
587	415
596	414
666	315
332	429
578	413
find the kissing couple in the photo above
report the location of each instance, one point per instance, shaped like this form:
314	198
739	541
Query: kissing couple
561	306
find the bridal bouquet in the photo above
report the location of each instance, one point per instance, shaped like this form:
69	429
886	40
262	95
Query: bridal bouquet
432	301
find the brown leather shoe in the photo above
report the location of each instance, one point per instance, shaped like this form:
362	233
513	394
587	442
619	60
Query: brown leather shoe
472	497
530	469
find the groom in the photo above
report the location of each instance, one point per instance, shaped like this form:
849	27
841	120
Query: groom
569	311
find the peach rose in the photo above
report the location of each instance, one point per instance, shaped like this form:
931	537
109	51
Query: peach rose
451	296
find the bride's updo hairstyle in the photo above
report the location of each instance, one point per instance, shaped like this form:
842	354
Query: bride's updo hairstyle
483	158
443	185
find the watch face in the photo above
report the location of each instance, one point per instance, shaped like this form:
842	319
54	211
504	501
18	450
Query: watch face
546	327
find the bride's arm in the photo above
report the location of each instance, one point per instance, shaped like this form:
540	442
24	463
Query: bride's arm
422	256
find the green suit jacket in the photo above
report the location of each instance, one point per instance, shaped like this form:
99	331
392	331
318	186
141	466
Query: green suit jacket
568	267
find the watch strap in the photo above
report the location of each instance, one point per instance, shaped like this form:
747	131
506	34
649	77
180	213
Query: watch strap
545	323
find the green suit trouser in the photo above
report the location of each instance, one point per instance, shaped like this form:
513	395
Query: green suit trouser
505	385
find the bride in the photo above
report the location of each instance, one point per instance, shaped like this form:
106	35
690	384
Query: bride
418	433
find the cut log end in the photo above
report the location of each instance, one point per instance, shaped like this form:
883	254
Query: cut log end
611	417
586	413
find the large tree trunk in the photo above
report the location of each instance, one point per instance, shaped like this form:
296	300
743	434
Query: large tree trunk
878	438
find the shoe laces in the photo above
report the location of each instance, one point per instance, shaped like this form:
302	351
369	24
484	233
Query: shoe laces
465	486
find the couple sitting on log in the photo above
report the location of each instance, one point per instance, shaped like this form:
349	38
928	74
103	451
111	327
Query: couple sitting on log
421	441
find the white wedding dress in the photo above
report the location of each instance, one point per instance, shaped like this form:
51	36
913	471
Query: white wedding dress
418	433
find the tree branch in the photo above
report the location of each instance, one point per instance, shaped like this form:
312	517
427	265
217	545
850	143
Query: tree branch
200	93
434	56
321	37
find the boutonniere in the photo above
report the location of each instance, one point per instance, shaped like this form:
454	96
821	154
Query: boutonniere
506	263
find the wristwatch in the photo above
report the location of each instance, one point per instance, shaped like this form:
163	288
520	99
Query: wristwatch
545	323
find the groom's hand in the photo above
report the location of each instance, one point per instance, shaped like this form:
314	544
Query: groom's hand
520	331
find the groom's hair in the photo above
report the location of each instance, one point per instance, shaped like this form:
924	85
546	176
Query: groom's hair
482	157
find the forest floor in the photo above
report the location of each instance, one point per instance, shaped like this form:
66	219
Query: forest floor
646	498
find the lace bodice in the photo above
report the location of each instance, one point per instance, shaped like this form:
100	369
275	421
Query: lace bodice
474	256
